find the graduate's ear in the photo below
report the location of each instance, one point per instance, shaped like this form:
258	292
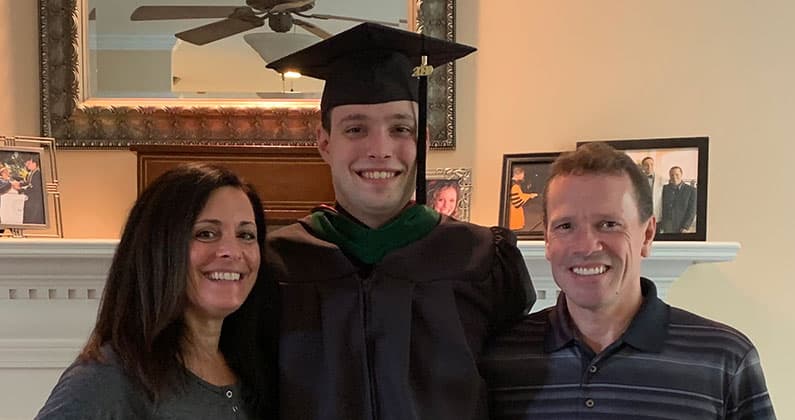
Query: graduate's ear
323	143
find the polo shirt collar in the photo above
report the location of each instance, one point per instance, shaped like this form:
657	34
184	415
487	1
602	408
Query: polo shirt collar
646	332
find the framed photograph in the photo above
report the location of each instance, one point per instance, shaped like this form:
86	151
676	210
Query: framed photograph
523	179
29	198
449	191
677	173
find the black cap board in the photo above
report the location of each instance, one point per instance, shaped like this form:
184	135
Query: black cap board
372	64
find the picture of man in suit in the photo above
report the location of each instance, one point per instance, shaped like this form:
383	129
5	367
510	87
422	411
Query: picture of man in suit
679	204
656	182
32	188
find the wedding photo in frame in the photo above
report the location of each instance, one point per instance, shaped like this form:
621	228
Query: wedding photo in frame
29	198
677	172
449	191
523	178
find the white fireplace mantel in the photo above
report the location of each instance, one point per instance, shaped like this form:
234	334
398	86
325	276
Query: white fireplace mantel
667	262
50	290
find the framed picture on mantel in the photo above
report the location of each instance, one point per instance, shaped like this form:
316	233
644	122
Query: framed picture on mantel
677	172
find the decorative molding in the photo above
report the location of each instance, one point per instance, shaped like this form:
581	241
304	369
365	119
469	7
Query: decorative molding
118	125
667	262
54	269
81	266
436	18
56	248
38	353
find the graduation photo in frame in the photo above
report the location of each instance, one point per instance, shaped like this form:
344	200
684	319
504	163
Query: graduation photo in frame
677	172
523	179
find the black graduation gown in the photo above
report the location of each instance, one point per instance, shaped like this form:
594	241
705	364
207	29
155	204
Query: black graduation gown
399	339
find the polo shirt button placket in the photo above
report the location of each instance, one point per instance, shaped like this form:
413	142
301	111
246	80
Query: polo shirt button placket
229	395
593	369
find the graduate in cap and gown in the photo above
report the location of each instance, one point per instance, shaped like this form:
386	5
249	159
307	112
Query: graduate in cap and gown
385	303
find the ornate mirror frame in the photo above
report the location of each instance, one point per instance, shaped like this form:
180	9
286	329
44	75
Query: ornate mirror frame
120	125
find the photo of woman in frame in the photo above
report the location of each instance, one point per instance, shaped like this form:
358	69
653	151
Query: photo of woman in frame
443	196
448	191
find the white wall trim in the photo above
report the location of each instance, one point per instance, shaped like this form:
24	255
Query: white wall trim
667	262
64	248
57	285
39	353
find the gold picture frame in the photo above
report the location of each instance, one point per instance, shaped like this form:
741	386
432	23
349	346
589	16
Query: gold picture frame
30	203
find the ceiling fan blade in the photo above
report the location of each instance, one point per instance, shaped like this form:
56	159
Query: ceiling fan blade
181	12
312	28
217	30
292	6
272	46
348	18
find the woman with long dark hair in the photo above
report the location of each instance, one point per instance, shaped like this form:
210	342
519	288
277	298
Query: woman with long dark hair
189	256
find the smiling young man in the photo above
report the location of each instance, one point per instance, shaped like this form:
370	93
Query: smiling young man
610	348
385	303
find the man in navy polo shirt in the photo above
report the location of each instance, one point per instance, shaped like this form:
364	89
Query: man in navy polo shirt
610	348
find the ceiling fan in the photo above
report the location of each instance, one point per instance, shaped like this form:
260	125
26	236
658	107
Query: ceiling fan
280	15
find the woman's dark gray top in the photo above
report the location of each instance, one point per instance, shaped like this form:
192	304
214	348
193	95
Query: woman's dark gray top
102	391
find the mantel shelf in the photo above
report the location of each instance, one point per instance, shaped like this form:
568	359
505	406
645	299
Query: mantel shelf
63	279
667	262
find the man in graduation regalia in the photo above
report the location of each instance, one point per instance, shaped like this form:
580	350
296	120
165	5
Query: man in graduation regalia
385	303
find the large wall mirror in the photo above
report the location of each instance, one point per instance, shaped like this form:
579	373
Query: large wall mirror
109	80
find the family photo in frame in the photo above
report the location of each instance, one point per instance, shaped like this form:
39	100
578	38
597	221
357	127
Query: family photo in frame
523	178
23	201
449	190
676	169
30	203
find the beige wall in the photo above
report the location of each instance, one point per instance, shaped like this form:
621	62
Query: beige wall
19	81
550	73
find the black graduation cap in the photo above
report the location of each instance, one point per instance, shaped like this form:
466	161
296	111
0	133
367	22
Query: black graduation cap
372	64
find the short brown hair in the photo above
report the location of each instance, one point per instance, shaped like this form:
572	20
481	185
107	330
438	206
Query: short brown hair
602	159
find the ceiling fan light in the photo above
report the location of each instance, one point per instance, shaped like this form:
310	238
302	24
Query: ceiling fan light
292	75
273	46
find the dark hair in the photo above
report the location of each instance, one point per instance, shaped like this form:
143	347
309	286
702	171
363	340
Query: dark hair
647	158
676	167
325	119
602	159
34	159
141	313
